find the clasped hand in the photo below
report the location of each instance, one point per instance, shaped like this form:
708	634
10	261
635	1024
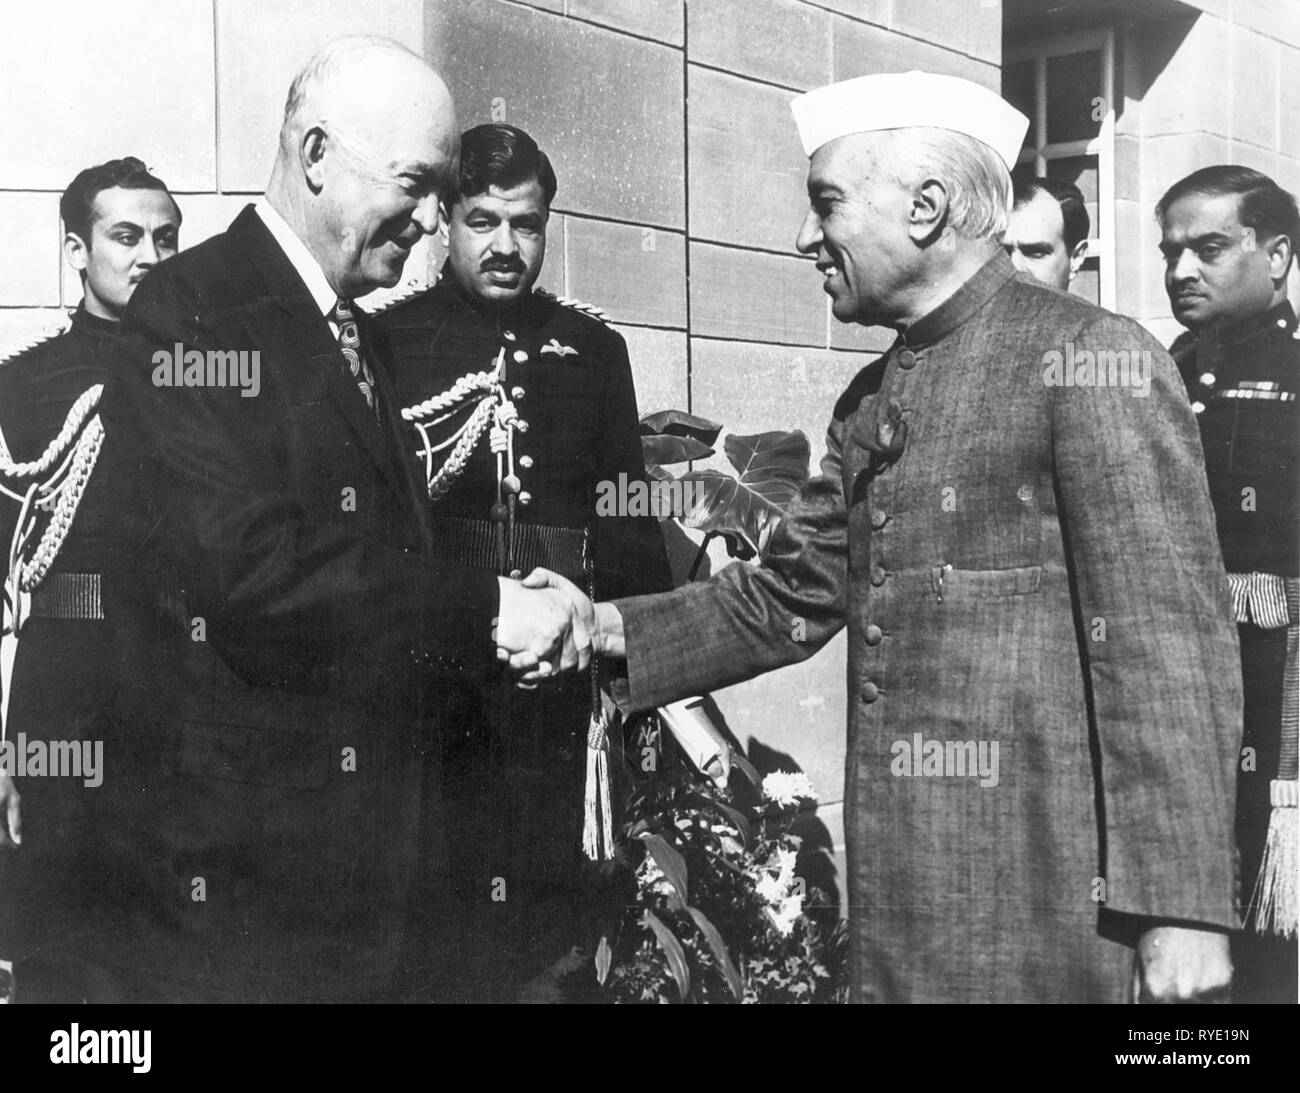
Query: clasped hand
546	626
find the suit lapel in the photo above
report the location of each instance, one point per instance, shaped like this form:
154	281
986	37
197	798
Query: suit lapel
305	329
397	434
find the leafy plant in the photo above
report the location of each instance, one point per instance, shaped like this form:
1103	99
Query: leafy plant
717	914
743	508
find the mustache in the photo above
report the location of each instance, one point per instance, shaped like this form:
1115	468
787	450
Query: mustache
503	265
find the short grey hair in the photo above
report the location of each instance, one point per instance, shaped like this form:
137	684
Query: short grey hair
978	182
323	66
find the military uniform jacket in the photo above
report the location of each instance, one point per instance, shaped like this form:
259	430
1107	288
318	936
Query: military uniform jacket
569	376
1036	569
1243	382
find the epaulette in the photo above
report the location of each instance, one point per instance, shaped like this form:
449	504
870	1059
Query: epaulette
417	286
53	330
577	305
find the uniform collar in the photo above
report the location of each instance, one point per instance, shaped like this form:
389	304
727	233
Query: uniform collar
523	311
85	323
961	305
1277	319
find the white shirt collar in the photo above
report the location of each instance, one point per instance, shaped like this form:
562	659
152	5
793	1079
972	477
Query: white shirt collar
299	256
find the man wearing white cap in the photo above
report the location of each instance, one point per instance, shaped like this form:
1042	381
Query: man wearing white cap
1013	523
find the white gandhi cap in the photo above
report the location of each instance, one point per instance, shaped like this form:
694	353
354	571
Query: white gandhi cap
899	100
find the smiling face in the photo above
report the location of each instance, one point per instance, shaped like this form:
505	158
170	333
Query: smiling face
857	227
130	233
497	241
377	151
1216	270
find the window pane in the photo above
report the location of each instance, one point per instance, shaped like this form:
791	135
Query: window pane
1082	171
1018	90
1073	82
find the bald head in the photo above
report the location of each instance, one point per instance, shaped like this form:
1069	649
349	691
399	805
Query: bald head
367	152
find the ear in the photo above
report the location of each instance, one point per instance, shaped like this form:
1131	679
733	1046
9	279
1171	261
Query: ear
311	157
75	250
1077	256
1279	256
928	212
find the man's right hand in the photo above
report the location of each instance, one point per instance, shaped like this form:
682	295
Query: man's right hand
543	629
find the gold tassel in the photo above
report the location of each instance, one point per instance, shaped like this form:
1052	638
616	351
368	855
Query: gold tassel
598	817
1275	896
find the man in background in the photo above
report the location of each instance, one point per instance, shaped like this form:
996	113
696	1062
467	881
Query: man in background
119	223
515	761
1047	234
1228	237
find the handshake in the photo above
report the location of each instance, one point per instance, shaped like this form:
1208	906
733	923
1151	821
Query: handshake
546	626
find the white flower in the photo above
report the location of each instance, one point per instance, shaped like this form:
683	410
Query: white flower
786	915
786	789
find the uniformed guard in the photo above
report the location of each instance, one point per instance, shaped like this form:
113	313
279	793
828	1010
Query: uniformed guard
55	524
1228	242
519	406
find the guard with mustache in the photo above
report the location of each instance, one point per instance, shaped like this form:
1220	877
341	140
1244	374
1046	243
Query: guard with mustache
518	404
1228	236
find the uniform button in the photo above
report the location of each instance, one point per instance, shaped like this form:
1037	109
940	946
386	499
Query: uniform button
526	461
1025	493
878	575
872	634
870	692
525	498
1207	379
511	484
879	518
520	356
517	393
509	335
521	425
907	360
516	574
1198	407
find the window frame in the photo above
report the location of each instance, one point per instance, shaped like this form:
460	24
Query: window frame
1039	152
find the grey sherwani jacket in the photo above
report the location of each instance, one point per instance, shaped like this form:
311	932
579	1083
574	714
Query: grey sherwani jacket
1021	565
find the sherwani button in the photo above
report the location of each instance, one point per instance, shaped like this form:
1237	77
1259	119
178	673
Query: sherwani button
520	356
879	518
907	360
526	461
872	635
878	575
870	692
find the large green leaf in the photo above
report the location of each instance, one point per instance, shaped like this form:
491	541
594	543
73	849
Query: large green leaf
773	466
719	949
672	950
671	864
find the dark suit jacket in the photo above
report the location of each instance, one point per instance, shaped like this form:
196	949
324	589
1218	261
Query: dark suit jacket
278	618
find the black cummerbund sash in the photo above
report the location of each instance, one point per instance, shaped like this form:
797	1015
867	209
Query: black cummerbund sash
474	543
68	596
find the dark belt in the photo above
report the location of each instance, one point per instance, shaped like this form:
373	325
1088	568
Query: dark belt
474	543
68	596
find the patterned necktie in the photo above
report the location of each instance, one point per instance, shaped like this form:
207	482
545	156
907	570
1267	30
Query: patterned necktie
350	345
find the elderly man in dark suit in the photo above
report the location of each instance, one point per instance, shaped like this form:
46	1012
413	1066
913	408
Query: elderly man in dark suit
280	615
1043	694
